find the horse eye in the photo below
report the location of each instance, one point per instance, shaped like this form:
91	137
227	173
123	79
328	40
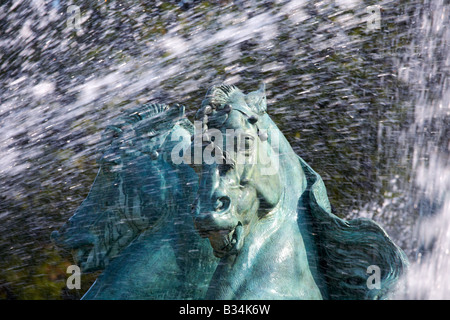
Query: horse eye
253	119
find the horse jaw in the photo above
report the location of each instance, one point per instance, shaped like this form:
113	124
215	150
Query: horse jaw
226	243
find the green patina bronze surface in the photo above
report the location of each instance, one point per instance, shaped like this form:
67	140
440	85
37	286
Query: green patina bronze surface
261	228
135	224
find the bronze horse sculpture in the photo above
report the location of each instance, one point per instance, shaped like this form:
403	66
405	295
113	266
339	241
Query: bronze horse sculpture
135	223
268	218
264	211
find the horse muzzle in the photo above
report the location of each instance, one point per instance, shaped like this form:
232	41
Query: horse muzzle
225	234
81	246
227	243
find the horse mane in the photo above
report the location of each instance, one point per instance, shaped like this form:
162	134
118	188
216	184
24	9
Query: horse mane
145	111
346	249
119	137
139	121
220	94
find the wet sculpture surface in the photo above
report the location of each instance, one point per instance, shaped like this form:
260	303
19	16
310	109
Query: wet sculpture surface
135	224
254	223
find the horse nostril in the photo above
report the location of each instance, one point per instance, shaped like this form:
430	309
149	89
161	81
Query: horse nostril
222	204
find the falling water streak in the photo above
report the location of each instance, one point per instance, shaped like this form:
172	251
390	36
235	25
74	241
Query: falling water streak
428	72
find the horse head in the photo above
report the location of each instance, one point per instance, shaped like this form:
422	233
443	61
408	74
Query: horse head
132	188
238	184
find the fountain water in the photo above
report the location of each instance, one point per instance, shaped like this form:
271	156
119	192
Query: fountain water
368	108
427	70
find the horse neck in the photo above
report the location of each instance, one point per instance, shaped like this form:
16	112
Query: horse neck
292	174
293	183
277	238
274	248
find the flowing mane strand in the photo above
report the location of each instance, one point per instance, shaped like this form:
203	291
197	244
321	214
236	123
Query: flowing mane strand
347	248
133	117
139	121
221	94
148	110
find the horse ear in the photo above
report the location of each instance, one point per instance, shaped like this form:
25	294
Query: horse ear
181	110
262	88
262	102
